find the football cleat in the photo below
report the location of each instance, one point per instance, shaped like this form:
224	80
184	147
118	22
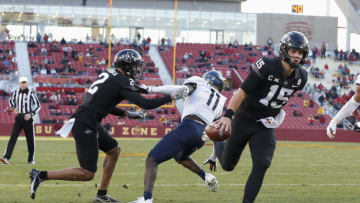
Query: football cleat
142	200
105	198
4	160
31	162
211	182
35	181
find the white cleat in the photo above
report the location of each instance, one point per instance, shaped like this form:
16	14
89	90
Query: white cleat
142	200
211	182
4	160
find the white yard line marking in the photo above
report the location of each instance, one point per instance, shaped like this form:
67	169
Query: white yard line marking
187	185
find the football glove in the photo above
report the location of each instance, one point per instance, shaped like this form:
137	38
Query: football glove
331	129
135	115
180	93
212	164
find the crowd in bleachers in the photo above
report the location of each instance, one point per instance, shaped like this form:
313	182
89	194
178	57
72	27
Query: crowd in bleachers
7	57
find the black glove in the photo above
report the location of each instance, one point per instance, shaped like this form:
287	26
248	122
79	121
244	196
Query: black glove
135	115
212	164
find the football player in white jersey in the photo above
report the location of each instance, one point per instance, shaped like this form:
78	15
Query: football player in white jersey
345	111
202	106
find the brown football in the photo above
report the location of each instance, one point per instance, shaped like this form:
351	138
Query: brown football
214	133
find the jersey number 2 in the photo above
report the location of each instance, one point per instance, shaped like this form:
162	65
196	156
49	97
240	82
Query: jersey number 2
211	98
280	100
94	87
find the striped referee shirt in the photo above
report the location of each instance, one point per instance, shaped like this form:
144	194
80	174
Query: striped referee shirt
25	101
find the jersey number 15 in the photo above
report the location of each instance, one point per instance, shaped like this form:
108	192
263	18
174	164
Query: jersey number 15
280	100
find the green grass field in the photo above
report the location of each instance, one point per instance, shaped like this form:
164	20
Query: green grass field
300	172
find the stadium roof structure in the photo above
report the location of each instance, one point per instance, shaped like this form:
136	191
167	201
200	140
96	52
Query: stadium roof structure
351	10
195	5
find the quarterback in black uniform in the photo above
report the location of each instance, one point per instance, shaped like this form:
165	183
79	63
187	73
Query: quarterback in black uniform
109	89
256	109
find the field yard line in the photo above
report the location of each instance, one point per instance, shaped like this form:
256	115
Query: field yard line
43	138
185	185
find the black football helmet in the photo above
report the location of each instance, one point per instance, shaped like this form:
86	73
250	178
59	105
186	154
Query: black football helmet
215	78
129	61
295	40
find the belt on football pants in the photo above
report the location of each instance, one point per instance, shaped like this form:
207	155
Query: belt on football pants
195	118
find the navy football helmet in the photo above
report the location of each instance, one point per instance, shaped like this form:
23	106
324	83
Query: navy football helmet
129	61
215	78
294	40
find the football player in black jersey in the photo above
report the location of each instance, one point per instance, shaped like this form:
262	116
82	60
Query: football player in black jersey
109	89
256	109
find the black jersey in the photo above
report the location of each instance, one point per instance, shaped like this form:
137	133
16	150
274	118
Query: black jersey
109	89
268	88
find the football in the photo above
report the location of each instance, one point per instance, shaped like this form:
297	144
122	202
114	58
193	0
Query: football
214	134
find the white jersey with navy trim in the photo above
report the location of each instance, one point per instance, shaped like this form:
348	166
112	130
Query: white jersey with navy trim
205	102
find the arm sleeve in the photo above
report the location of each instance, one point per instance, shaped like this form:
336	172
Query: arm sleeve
36	103
118	112
165	89
144	103
12	100
346	110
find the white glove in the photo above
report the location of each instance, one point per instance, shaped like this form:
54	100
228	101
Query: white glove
145	89
271	122
180	93
135	115
331	129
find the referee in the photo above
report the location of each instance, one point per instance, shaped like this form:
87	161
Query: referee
25	105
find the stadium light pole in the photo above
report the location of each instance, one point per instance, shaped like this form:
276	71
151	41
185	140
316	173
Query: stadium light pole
109	32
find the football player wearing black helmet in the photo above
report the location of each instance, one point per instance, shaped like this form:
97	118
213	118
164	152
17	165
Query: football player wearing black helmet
130	62
256	109
110	88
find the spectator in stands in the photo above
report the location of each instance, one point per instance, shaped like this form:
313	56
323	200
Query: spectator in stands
269	41
323	50
336	53
46	38
320	111
311	103
295	113
43	50
311	120
62	42
322	120
236	44
38	38
306	103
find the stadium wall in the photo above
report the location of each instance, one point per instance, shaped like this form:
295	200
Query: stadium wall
276	25
318	135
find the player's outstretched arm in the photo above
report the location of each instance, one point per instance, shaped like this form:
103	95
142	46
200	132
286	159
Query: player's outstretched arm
344	112
224	123
130	114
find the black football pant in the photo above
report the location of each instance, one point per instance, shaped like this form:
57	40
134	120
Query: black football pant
262	143
28	127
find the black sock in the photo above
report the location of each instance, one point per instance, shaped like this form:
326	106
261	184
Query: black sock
43	175
254	183
202	174
147	195
102	192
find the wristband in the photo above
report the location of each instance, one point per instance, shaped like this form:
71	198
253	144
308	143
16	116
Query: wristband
229	113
